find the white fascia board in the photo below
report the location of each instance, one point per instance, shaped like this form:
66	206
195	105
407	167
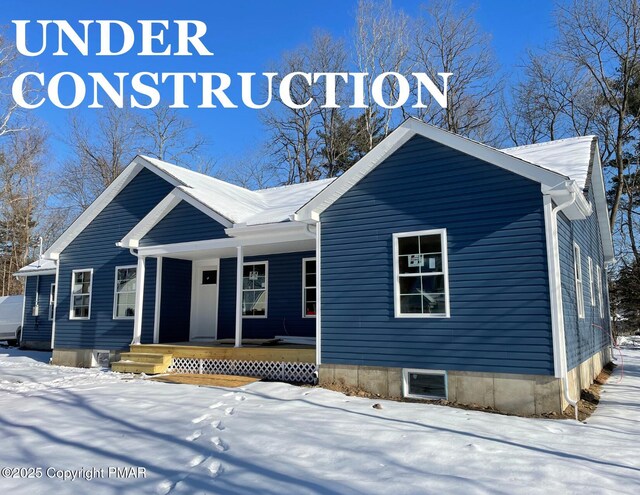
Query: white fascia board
32	273
241	231
564	191
142	228
412	127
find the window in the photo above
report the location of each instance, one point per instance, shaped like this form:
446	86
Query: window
420	272
577	267
254	290
599	277
81	294
124	298
309	293
424	384
52	298
592	292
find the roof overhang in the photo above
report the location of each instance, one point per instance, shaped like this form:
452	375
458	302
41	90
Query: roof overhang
32	273
311	211
565	191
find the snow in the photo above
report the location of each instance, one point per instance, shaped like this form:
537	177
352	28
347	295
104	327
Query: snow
570	157
38	266
238	204
276	438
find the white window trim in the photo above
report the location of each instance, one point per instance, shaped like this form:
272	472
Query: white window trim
592	294
405	383
577	268
115	293
445	272
266	289
73	276
51	301
304	288
600	300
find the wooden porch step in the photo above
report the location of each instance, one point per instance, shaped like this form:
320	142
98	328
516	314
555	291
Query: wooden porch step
150	363
146	357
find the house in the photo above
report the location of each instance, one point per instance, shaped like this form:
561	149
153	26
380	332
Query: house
436	266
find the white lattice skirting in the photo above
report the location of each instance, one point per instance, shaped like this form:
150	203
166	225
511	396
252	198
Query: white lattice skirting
284	371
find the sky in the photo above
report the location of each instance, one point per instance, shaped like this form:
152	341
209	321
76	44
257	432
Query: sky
246	36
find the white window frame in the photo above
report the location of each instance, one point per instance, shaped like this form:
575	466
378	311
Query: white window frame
304	288
52	296
600	300
405	383
577	272
73	277
592	293
445	272
115	292
266	288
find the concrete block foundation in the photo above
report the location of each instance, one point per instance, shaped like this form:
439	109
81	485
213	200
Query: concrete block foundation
525	395
79	358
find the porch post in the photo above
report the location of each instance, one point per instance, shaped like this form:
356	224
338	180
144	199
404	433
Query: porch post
137	315
239	271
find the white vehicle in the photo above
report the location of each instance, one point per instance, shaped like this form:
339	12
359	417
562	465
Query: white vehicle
11	318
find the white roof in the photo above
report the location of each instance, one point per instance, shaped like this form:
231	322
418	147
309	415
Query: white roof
240	205
39	267
571	157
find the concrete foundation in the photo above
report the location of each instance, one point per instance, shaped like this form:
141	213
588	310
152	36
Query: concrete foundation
79	358
509	393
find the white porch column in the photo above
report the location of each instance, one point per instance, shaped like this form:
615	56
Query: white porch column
137	318
239	272
156	317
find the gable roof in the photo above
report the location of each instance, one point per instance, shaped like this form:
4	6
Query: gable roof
224	202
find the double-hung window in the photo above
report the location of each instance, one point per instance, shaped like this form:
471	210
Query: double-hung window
124	297
592	292
599	277
81	294
421	275
254	290
52	300
577	267
309	292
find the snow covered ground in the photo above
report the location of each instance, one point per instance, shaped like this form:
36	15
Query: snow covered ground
273	438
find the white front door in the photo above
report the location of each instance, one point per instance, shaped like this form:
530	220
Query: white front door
204	300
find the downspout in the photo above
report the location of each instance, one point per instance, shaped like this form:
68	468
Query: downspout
558	283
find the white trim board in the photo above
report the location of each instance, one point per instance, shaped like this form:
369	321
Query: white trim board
414	127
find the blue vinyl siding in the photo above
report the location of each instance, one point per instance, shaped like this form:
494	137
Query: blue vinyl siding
175	304
499	296
284	299
584	336
37	328
95	247
183	224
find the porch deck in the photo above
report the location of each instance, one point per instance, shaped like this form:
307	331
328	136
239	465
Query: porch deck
220	350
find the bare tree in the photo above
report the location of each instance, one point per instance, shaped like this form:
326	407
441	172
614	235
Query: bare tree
448	39
602	39
9	110
168	136
382	44
302	138
23	196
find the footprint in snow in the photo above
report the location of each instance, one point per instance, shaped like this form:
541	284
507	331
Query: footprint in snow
216	405
194	436
215	469
217	424
164	487
199	419
240	398
220	445
196	461
230	411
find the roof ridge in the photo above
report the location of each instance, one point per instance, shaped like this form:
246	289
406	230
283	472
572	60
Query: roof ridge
545	143
298	184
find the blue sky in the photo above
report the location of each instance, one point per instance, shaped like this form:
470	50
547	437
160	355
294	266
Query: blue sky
245	36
